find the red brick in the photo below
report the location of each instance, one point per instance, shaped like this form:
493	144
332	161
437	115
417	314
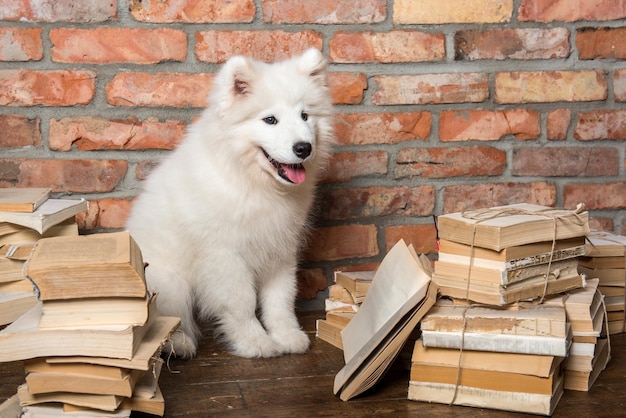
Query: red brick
19	131
121	45
268	45
388	47
595	196
431	88
558	122
310	281
89	133
80	176
550	86
192	11
107	213
144	168
382	128
58	10
341	204
570	10
159	90
601	43
486	125
324	11
619	85
451	11
601	124
565	162
461	197
47	88
347	88
346	165
450	162
342	242
421	236
17	44
601	224
522	44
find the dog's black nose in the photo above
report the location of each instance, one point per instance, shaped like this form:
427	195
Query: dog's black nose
302	149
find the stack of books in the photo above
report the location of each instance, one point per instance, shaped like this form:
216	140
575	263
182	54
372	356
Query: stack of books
344	299
605	259
27	215
590	350
93	341
491	342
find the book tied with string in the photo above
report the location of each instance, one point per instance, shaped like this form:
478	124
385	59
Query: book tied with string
506	254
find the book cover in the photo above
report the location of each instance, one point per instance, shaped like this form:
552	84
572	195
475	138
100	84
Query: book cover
23	199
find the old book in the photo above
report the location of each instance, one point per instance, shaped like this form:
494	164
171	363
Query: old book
538	329
41	365
512	258
50	213
341	319
592	263
12	259
500	227
84	312
23	339
400	294
488	271
526	373
605	244
154	405
148	350
338	293
23	199
329	332
356	283
494	294
15	304
98	265
101	402
22	235
584	309
55	410
581	371
608	277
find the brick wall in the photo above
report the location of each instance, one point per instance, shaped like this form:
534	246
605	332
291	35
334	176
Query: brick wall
441	105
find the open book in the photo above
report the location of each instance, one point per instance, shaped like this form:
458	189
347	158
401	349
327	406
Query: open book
400	295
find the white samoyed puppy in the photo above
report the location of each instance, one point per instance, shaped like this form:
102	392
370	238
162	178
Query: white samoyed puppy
221	219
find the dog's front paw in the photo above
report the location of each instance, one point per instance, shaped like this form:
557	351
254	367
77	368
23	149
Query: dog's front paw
181	345
293	341
261	345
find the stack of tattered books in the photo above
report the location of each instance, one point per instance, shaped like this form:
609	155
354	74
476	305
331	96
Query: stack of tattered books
92	342
344	299
27	215
605	259
499	336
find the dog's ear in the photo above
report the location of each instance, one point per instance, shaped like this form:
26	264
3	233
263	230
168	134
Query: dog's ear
313	63
233	82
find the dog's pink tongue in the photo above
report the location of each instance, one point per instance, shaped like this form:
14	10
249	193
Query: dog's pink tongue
297	174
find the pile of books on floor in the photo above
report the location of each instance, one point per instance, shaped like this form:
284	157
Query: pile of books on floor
344	298
512	303
27	215
605	259
91	345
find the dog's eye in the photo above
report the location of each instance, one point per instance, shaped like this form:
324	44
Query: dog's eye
270	120
304	116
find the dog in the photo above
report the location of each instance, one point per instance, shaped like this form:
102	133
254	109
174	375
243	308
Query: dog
220	221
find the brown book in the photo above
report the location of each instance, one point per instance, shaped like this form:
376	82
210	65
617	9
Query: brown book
581	372
102	402
329	332
24	235
154	405
584	309
520	255
618	262
608	277
487	271
494	294
605	244
86	312
23	339
512	225
15	304
99	265
50	213
338	293
23	199
355	282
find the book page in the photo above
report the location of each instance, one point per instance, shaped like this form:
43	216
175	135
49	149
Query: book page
398	279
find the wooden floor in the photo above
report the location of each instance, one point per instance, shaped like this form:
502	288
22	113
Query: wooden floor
216	383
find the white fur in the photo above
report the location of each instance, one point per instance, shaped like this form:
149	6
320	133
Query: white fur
219	228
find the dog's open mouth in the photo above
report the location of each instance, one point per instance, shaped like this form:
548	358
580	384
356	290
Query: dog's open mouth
292	173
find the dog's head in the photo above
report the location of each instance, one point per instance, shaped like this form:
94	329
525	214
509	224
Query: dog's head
279	114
